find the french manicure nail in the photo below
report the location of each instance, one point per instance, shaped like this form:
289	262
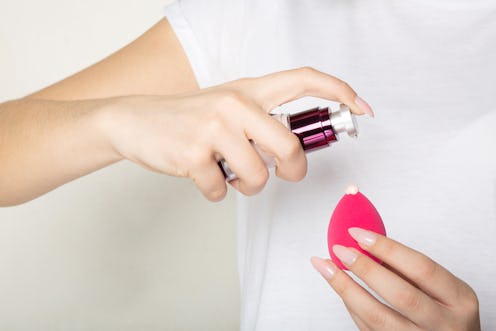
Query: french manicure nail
346	255
364	106
325	267
364	237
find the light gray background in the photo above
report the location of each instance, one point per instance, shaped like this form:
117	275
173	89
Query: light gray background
121	249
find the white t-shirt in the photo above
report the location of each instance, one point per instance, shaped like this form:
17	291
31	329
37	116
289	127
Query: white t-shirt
427	161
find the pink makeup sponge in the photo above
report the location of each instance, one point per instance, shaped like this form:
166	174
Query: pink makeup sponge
353	210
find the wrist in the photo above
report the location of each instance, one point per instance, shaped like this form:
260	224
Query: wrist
107	125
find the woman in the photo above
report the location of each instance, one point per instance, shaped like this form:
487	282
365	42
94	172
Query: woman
391	50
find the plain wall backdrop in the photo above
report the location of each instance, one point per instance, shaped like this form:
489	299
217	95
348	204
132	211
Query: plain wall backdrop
120	249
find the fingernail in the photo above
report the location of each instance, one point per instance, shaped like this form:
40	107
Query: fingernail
364	237
364	106
346	255
325	267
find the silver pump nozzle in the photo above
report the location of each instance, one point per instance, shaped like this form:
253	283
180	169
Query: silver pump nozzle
342	120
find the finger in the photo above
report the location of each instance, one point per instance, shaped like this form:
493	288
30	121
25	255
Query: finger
429	276
276	140
245	162
359	301
281	87
210	180
405	298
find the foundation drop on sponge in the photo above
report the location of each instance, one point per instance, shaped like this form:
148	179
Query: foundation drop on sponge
353	210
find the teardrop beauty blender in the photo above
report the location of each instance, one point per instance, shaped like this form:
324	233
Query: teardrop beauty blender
353	210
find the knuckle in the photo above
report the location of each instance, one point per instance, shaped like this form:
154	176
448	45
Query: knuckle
408	301
376	319
229	99
301	173
260	177
216	194
291	150
362	267
306	74
343	86
426	268
257	180
180	171
385	247
307	71
437	319
213	125
470	301
341	287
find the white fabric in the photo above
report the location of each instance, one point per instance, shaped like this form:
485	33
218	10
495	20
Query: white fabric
427	161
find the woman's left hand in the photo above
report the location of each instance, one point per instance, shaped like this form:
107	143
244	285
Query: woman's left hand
422	294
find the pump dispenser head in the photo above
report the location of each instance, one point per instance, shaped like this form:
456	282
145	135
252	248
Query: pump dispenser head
343	121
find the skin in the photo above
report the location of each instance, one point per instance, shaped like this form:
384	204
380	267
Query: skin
143	104
422	294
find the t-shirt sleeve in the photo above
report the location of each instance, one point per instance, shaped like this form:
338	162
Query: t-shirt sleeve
197	55
209	32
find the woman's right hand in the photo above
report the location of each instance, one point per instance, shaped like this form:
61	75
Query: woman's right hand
185	135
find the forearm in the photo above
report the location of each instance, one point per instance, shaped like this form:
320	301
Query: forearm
55	135
44	144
